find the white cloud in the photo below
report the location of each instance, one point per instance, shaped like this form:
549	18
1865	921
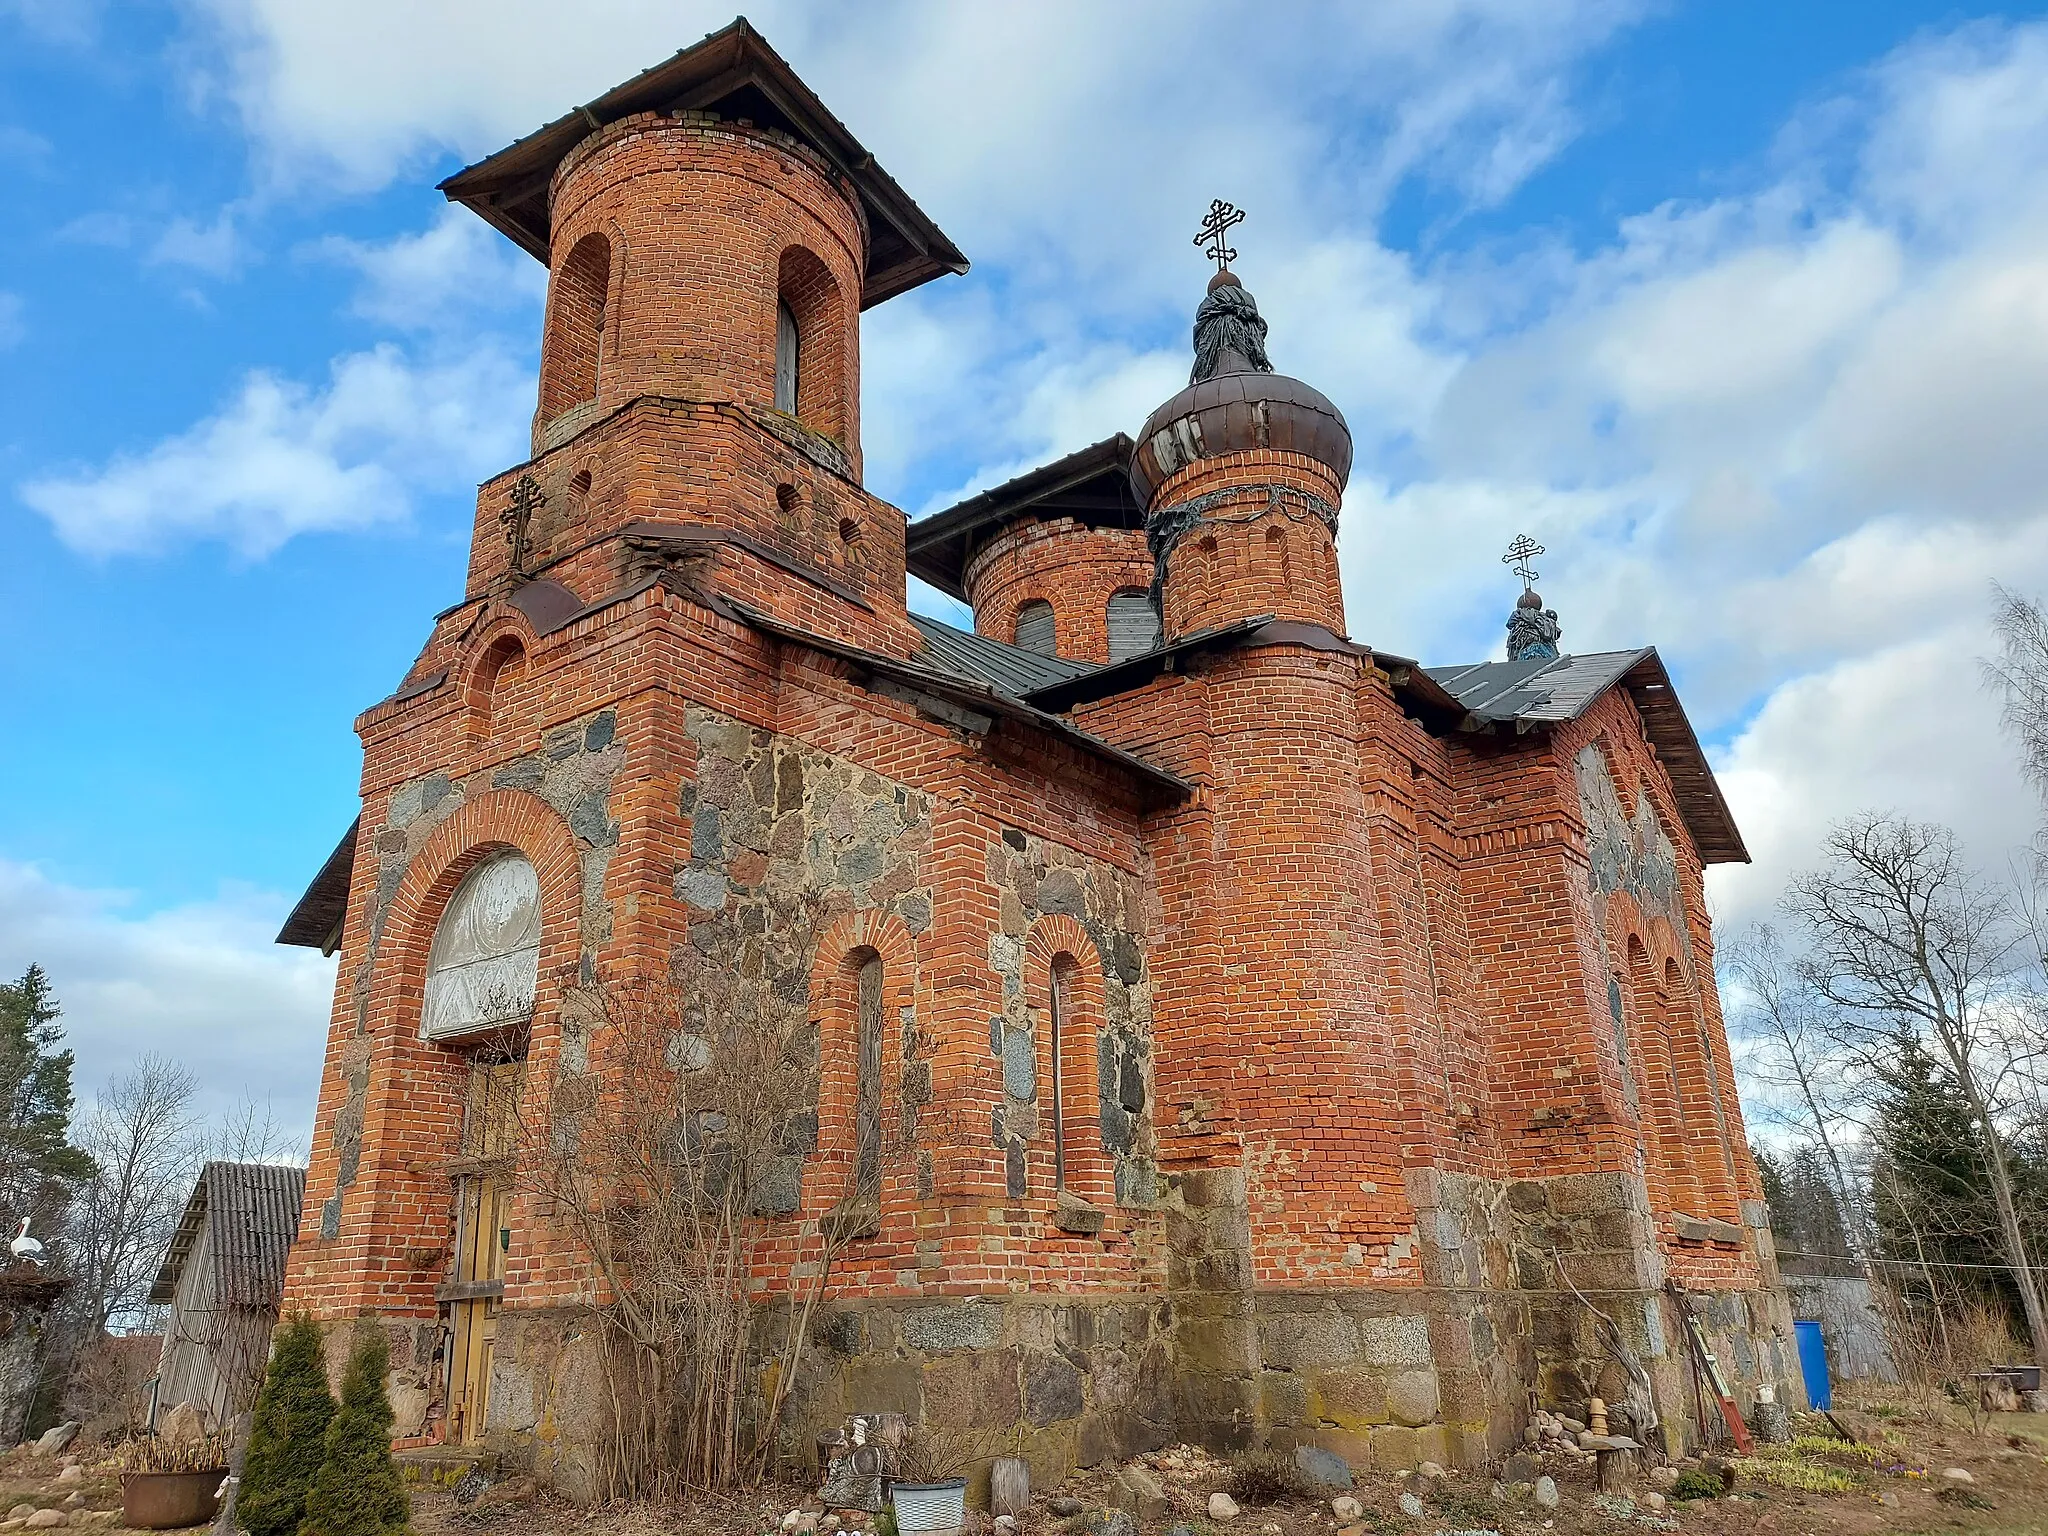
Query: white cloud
442	277
214	249
202	984
282	459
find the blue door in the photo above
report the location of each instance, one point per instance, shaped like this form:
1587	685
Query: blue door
1813	1364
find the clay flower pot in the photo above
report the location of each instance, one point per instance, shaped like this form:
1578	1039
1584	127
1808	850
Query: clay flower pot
165	1501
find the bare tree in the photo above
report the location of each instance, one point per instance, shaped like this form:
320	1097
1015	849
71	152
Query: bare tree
143	1137
251	1133
1900	932
2020	673
1801	1058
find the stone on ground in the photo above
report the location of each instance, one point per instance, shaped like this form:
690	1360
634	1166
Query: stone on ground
71	1474
1346	1508
1958	1474
21	1511
182	1425
1138	1490
46	1519
1663	1479
1546	1492
58	1439
1222	1506
1411	1506
1064	1505
1430	1469
1108	1522
1326	1468
1654	1501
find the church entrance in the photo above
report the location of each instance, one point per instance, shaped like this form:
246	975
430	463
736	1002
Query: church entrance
483	1236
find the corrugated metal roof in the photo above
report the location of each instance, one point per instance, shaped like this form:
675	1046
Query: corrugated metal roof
251	1211
1010	668
1551	689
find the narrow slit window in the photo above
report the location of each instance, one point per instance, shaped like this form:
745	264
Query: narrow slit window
1059	1107
867	1104
788	357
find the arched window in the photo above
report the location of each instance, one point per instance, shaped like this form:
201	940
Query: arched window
574	355
788	356
867	1079
1035	628
1619	1015
1133	625
485	962
813	344
1061	994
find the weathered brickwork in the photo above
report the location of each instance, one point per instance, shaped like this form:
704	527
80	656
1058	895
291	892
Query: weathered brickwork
1058	561
1266	1044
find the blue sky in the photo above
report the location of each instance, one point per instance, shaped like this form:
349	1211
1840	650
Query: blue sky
1740	308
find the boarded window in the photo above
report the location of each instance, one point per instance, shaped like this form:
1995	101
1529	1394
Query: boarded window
485	962
1133	625
787	359
1034	628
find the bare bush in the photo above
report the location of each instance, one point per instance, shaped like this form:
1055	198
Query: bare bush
668	1155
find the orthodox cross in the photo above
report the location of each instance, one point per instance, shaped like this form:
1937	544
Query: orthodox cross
527	499
1221	217
1519	554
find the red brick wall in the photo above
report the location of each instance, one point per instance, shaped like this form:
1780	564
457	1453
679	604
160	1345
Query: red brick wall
1060	561
701	218
1253	552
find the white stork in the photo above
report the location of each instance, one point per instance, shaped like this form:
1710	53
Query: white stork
24	1246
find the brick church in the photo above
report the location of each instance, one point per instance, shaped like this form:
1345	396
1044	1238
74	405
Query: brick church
1319	1034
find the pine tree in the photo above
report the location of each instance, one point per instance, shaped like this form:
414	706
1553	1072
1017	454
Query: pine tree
39	1168
287	1433
357	1492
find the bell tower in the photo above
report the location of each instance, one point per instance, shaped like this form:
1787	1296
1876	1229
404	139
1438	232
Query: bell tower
712	235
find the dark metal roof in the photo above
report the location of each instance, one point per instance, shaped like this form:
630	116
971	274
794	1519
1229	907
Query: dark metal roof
1010	668
953	687
1548	691
734	73
315	923
1092	486
251	1213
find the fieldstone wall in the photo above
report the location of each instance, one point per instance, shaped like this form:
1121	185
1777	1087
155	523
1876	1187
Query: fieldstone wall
1446	1371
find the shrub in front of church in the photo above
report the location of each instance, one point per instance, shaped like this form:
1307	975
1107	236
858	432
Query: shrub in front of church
287	1433
357	1491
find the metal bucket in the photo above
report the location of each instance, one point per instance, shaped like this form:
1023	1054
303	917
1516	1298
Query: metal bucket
929	1509
164	1501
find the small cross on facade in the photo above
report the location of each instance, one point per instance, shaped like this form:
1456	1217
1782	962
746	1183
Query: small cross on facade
1221	217
1519	554
517	519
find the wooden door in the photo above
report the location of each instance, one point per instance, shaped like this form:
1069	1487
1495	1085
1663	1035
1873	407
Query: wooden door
483	1235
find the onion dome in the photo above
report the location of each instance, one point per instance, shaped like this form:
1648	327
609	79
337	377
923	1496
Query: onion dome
1235	402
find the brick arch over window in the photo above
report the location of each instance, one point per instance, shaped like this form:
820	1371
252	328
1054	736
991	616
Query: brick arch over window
809	294
1666	1166
1708	1152
580	309
503	662
412	1104
841	1009
1063	988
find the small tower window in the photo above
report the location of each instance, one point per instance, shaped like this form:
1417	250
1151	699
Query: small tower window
1035	628
1133	625
788	357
